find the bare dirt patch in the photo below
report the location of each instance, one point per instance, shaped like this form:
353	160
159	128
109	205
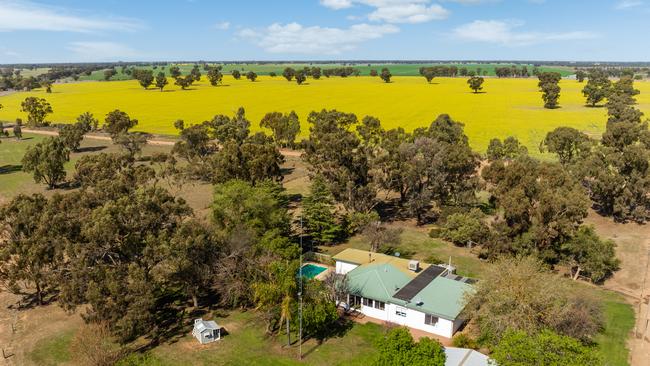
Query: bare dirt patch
21	330
633	249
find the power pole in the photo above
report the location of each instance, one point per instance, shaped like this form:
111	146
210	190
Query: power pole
300	298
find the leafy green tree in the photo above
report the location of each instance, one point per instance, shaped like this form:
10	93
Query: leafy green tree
300	77
276	295
224	128
569	144
464	229
161	81
144	76
598	87
518	294
590	255
18	130
108	74
89	122
320	314
73	134
509	149
236	74
185	82
273	74
132	142
288	73
214	76
45	161
397	347
518	348
319	214
542	205
373	73
28	253
174	72
118	122
335	152
285	127
191	258
428	74
315	72
475	83
549	85
251	76
240	207
385	75
195	73
37	109
580	76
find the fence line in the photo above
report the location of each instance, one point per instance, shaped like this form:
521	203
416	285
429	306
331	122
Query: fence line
320	258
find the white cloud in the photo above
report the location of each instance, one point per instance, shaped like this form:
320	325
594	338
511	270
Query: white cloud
394	11
504	33
295	38
102	51
627	4
409	13
222	26
23	15
336	4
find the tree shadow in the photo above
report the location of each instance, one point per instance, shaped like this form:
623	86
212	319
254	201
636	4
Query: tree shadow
595	106
90	149
339	329
8	169
478	92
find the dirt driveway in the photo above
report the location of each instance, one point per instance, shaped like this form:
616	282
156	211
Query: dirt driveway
633	279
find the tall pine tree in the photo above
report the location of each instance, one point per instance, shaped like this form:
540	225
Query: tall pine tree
319	214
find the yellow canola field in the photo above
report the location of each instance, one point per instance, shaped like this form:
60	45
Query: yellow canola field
508	106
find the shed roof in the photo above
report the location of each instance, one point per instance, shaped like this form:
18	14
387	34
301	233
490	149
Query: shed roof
465	357
201	325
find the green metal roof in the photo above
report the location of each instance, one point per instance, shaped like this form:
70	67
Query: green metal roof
442	297
377	281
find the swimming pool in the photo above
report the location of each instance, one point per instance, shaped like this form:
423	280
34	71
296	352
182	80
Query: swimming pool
311	270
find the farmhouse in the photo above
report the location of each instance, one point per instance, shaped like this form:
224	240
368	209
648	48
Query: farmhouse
417	295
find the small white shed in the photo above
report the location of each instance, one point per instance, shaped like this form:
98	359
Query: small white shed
206	331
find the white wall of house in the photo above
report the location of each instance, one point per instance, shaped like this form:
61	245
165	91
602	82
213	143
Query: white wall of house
344	267
412	319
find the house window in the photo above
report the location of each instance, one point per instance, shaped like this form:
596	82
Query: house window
355	300
430	319
399	311
380	305
367	302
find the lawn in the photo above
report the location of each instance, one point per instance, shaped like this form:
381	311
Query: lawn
508	106
245	344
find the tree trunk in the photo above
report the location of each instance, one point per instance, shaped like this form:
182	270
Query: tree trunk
39	293
288	333
575	276
195	301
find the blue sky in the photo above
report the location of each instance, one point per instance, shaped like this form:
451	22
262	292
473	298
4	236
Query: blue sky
112	30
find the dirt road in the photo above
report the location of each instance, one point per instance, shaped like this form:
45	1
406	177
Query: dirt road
153	141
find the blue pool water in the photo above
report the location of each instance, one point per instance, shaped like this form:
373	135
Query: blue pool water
312	270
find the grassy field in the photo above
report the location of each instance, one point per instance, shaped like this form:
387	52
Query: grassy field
265	69
508	106
13	180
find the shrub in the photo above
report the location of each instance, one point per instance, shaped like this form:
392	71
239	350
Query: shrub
93	345
465	228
